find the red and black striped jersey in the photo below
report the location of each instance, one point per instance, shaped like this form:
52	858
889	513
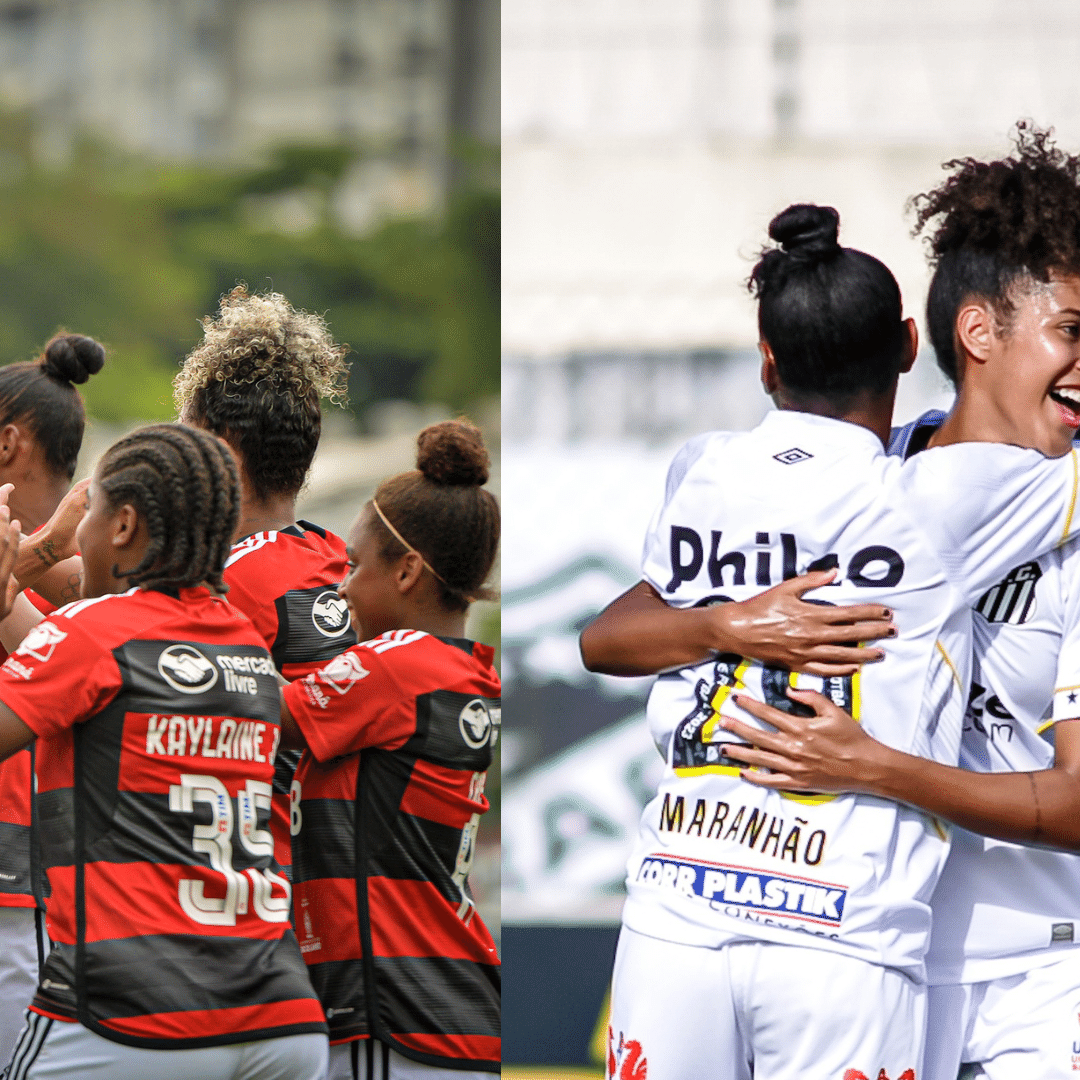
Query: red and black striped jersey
400	733
157	718
285	581
20	874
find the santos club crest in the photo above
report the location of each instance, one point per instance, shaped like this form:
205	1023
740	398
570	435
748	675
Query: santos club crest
1011	600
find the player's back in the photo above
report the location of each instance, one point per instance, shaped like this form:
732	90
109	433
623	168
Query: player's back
720	859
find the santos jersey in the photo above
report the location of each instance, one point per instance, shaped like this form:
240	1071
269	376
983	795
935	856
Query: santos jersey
285	581
400	733
157	718
1001	908
719	859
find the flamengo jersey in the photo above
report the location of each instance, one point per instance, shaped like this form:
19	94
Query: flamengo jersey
20	874
400	733
1001	909
285	582
157	719
719	859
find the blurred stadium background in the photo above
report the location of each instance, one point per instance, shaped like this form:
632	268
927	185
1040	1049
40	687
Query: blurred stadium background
153	153
645	148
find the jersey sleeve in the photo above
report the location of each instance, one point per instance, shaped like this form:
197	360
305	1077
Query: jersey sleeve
1067	681
58	676
655	554
986	507
352	703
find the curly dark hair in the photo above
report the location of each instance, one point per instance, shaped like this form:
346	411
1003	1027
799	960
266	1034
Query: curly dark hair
993	225
442	510
184	484
256	380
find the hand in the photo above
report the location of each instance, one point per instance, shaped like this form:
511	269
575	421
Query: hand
55	541
828	751
780	628
9	549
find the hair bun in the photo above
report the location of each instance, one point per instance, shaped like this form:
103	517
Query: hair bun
453	452
72	358
807	232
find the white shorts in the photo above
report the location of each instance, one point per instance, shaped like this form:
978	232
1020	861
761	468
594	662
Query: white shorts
18	972
1022	1027
55	1050
369	1059
759	1010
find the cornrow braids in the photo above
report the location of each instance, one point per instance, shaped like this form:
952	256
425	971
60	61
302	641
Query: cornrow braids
257	379
441	511
993	226
185	485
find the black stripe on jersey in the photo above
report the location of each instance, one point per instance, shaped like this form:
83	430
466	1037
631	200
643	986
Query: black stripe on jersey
340	986
325	847
14	858
223	668
438	996
285	769
313	625
176	973
426	847
455	730
55	811
144	829
1013	599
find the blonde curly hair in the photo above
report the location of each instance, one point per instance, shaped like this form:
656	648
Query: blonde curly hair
263	336
257	379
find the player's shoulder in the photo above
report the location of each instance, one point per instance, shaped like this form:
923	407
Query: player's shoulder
419	656
279	555
906	439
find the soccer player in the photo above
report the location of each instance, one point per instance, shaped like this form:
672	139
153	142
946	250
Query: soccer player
255	380
41	430
399	733
173	953
725	872
1003	964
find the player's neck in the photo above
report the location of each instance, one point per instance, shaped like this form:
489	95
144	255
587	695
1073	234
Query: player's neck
271	514
873	413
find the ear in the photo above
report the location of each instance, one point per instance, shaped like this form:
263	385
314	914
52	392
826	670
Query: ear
770	377
408	571
911	347
124	526
9	443
974	331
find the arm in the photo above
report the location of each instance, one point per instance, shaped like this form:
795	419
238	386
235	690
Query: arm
641	634
47	559
830	752
292	738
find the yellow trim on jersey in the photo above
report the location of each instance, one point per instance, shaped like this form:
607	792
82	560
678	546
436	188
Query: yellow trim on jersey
1072	501
704	770
942	829
948	660
1045	727
720	695
1062	689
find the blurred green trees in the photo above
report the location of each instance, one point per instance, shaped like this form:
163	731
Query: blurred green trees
135	255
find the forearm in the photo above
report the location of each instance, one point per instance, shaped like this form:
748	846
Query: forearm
22	618
640	641
59	584
1023	807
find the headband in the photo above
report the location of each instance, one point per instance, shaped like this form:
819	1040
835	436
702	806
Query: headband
405	543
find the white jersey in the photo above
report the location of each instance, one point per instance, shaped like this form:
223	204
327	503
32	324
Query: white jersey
1000	908
720	860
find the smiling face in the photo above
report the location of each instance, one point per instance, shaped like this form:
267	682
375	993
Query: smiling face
370	589
1032	368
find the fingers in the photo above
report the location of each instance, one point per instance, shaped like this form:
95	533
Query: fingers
750	755
5	491
755	735
854	613
780	720
851	655
815	579
772	780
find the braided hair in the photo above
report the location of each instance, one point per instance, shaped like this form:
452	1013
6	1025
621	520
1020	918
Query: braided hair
42	394
256	380
184	485
442	510
993	226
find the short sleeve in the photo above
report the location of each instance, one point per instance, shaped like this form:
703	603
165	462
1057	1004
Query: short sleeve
654	554
1067	681
986	507
352	703
59	676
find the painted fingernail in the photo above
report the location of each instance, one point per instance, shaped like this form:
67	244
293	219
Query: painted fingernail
893	631
886	613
